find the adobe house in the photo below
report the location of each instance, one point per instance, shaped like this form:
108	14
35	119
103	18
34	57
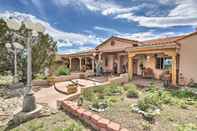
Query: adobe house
150	58
107	53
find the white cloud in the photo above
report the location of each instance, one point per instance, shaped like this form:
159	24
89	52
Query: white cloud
102	6
64	39
184	14
141	36
108	30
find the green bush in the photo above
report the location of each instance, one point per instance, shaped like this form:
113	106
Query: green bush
113	99
63	71
89	95
130	85
150	101
99	104
132	92
114	89
100	89
184	93
187	127
6	80
40	77
36	126
73	127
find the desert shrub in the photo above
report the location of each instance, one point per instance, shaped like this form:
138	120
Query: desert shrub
112	100
132	92
6	80
152	87
63	71
73	127
89	95
184	93
36	126
100	89
40	77
113	89
146	126
187	127
130	85
150	101
99	104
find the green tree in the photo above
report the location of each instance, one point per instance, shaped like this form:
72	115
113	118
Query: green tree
43	52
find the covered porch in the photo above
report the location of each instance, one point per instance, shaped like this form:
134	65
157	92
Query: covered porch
81	63
112	62
153	62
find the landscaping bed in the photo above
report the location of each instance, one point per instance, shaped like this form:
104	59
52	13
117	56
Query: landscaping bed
56	122
149	109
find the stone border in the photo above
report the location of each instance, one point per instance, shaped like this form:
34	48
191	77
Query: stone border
94	120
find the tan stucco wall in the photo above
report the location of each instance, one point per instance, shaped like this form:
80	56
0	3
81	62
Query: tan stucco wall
148	63
188	58
151	64
110	59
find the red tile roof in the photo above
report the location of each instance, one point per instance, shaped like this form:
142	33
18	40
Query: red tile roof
167	40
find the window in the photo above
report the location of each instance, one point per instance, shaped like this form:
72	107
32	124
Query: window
163	63
159	63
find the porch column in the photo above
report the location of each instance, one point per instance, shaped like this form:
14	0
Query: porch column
174	72
130	65
99	56
70	63
118	56
80	65
93	64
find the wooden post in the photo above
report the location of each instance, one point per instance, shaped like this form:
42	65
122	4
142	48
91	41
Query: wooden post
174	72
80	64
93	64
118	56
70	63
130	65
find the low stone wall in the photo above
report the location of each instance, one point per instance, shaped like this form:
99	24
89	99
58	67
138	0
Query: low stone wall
122	79
97	122
40	83
68	77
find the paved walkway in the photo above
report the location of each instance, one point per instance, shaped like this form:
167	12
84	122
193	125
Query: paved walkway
49	95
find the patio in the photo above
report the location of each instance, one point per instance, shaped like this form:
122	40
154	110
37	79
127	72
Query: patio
143	82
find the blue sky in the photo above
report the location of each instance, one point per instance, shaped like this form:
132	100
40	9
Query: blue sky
82	24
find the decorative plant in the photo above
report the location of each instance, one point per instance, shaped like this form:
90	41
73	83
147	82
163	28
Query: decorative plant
187	127
73	127
63	71
132	92
89	95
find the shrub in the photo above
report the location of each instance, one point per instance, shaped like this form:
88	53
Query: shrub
100	89
63	71
149	102
130	85
187	127
100	104
132	92
40	77
6	80
114	99
36	126
89	95
73	127
184	93
114	89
